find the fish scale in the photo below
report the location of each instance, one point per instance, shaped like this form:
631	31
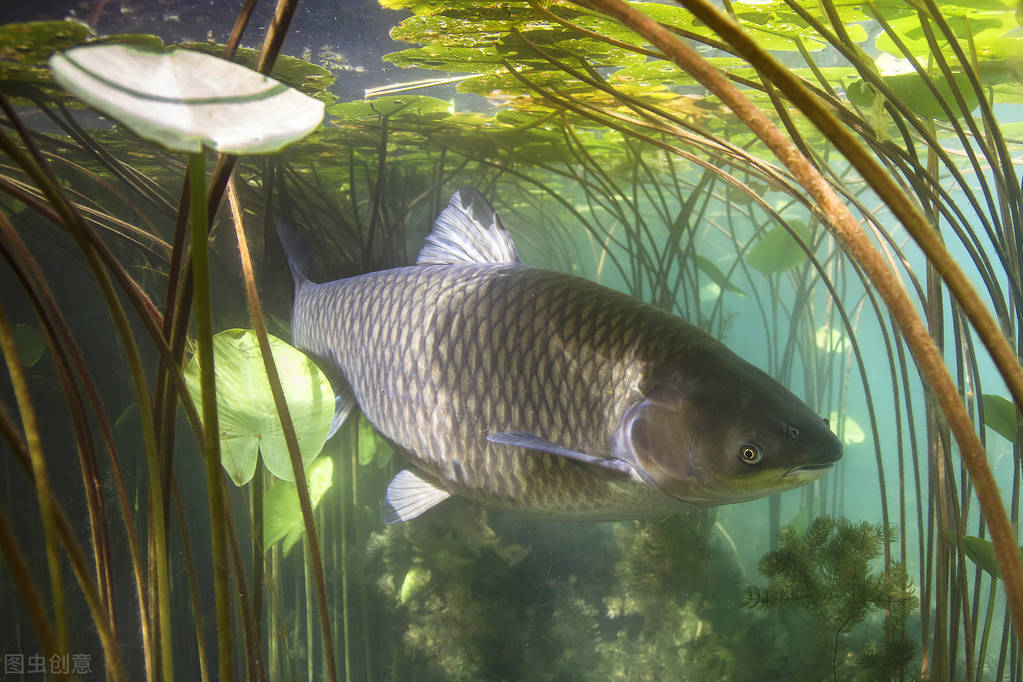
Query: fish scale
532	386
540	391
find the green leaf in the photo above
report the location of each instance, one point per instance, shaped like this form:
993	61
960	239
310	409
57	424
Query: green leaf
982	553
185	100
304	76
776	251
414	583
25	47
1000	415
30	343
245	407
371	445
912	90
405	106
992	33
716	275
282	512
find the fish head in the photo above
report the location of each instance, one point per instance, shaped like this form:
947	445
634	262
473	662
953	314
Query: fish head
733	435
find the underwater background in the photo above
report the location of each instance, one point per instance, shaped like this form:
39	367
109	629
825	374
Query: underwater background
880	281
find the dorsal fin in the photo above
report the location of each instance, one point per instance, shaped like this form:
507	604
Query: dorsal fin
296	251
468	231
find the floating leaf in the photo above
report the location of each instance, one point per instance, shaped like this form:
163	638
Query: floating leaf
846	426
991	33
184	100
25	47
911	89
30	343
249	425
1000	415
777	251
300	74
407	106
282	512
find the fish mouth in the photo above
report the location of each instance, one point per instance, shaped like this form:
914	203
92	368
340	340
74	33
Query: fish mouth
808	471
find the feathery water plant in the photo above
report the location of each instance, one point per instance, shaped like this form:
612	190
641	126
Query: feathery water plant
826	571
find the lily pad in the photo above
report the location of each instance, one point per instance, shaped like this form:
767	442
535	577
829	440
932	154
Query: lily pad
304	76
911	89
407	106
777	251
185	100
282	512
1000	415
249	424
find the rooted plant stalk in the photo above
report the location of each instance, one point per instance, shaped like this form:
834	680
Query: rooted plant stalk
290	439
858	245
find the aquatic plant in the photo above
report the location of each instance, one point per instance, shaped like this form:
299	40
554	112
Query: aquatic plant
659	190
826	571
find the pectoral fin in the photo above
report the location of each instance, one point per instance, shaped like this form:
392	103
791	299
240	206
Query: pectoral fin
409	495
614	468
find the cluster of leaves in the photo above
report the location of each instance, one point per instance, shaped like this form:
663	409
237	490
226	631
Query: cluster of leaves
644	602
826	572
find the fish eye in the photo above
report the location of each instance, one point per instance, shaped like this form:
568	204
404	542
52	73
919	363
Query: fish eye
750	453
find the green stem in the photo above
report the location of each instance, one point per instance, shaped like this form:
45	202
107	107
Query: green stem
39	474
193	584
988	617
310	640
353	427
211	427
256	490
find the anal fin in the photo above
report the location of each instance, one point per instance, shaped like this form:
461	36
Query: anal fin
409	495
344	401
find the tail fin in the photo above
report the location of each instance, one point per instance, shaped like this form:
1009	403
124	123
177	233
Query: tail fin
296	250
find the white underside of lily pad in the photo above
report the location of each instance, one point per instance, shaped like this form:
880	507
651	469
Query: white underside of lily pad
185	100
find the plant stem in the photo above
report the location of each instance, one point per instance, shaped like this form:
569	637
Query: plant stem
211	424
859	247
41	478
288	427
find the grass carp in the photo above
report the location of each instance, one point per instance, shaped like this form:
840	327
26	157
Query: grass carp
528	389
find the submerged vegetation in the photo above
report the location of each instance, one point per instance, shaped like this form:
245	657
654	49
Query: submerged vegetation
632	144
827	573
